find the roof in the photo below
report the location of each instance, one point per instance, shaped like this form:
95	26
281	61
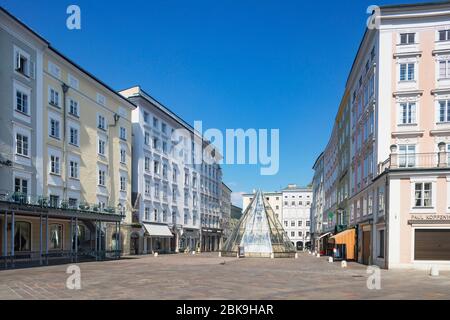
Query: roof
50	47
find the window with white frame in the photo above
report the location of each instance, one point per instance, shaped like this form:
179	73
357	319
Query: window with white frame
123	133
22	101
123	183
444	111
53	98
444	69
155	143
163	127
73	108
147	163
101	146
165	192
444	35
21	185
54	128
54	70
407	38
156	189
22	145
145	116
73	169
174	174
73	82
101	99
156	167
147	187
164	170
147	213
147	138
55	165
381	200
155	123
123	155
101	177
422	194
101	123
73	139
407	71
22	63
407	113
407	155
174	194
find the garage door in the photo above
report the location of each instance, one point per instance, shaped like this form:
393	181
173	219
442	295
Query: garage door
432	244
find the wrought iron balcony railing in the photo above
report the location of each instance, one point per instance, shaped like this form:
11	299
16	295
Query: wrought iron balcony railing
21	198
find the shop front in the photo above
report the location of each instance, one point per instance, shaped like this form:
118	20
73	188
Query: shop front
344	244
157	238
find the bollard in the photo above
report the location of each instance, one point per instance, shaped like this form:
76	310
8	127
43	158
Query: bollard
318	255
272	256
343	264
155	254
434	271
330	259
237	255
296	255
220	254
193	253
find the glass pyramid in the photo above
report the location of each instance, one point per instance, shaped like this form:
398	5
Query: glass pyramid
259	233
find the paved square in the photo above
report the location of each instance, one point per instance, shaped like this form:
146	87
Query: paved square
206	276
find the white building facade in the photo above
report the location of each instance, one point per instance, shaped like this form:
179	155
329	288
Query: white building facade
292	207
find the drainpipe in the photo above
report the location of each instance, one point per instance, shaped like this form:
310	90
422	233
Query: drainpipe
65	88
110	144
386	221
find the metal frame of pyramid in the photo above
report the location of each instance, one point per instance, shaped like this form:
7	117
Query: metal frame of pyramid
259	233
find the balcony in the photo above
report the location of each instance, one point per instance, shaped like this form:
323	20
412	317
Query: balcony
398	161
39	202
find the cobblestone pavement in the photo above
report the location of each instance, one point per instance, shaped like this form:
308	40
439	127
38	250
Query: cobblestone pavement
207	276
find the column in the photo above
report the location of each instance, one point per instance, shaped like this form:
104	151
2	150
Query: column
96	241
119	245
13	220
177	244
46	239
76	239
71	239
5	235
40	239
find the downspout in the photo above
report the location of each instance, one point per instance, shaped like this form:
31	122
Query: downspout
65	88
110	144
386	217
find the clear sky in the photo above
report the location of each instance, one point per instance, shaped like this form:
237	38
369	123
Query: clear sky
232	64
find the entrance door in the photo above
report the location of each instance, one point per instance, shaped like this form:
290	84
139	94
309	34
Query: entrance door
366	247
134	244
432	244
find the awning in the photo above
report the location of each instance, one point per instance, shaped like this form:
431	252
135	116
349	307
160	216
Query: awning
157	230
348	238
324	235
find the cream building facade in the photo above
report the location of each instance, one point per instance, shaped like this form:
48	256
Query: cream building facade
61	198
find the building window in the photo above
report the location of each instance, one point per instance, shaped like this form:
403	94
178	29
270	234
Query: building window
147	187
54	128
101	147
174	175
155	214
164	146
53	98
73	203
156	167
422	195
101	178
74	136
407	71
123	156
101	123
123	184
73	169
292	233
147	164
54	165
308	223
381	200
73	108
444	69
408	113
286	223
381	244
155	123
174	194
101	99
292	223
444	35
22	64
407	38
21	185
155	143
147	138
22	145
444	111
147	213
164	170
145	115
56	236
123	133
22	102
163	127
156	191
407	155
22	236
299	223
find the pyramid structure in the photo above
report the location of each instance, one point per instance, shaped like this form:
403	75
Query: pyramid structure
259	233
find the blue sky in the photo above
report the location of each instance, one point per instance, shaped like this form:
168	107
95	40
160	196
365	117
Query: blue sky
232	64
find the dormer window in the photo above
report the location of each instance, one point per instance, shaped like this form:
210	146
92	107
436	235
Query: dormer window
407	38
